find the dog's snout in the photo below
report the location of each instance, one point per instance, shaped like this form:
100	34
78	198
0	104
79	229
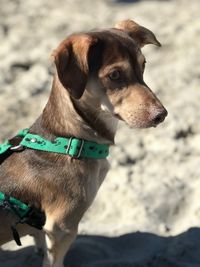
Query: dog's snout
159	116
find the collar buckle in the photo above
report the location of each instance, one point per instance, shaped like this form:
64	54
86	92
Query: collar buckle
76	149
17	148
15	143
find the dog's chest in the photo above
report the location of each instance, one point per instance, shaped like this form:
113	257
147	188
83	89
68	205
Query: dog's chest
80	188
94	181
87	183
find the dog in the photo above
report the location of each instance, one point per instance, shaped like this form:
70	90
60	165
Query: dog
98	81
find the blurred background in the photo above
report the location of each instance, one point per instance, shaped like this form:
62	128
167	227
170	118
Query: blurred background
154	182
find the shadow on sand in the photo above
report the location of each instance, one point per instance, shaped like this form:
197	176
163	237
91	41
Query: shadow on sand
130	250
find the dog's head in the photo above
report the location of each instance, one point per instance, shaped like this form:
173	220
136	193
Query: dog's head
109	65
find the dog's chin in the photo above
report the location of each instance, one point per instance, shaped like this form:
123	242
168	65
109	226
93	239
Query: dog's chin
140	125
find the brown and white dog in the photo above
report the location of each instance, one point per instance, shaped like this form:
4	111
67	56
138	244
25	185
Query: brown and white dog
99	80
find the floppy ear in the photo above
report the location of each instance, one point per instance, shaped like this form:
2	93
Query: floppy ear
71	60
140	34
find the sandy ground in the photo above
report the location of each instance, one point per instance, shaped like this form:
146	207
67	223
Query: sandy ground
151	195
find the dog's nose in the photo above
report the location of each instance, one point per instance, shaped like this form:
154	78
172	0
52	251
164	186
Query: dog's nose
159	116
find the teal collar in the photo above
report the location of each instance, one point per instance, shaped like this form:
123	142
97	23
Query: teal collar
74	147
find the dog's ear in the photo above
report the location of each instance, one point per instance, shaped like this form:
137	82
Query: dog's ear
140	34
71	60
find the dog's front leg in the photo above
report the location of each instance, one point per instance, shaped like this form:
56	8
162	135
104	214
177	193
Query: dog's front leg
40	242
58	243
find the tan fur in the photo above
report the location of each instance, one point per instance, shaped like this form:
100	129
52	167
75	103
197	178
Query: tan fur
86	101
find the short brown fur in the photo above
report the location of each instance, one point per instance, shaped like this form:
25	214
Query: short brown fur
99	80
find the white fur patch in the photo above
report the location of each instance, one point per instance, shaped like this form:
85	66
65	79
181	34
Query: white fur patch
107	109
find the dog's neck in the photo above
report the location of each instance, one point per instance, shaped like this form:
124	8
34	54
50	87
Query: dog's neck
84	118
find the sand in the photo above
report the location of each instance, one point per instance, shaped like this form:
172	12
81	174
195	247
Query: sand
148	208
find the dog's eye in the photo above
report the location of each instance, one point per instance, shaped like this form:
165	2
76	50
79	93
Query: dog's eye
114	75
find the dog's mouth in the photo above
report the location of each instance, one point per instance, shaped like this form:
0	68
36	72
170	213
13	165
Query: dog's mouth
153	121
117	116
